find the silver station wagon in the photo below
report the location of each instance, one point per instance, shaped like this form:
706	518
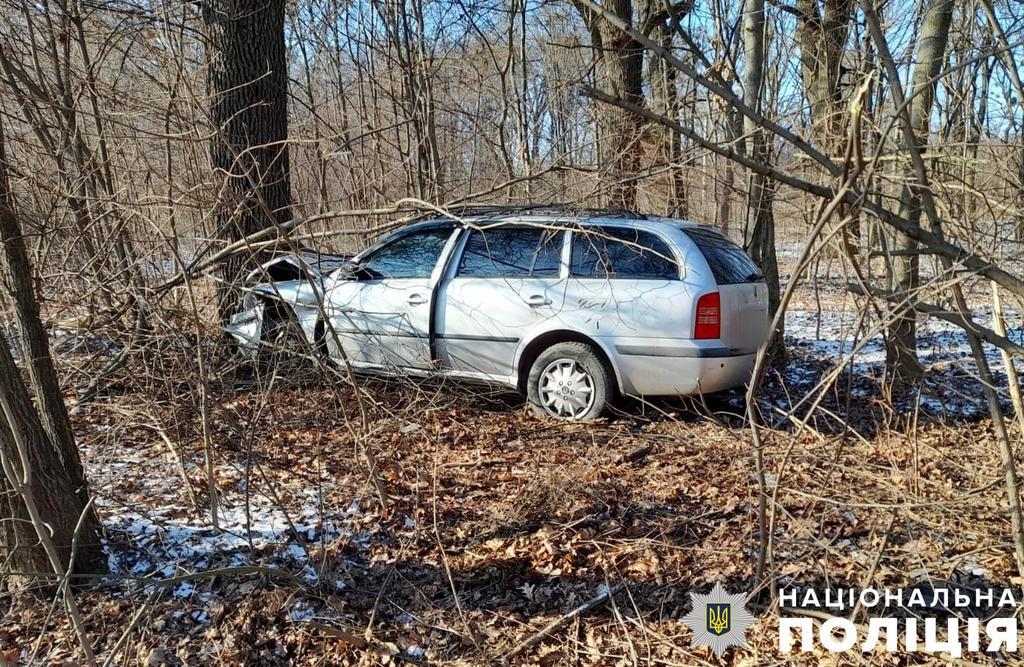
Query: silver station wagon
571	310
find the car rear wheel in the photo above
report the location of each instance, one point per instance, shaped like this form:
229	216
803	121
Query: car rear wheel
570	381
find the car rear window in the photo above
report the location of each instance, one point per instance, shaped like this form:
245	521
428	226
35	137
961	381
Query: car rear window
729	264
508	252
609	252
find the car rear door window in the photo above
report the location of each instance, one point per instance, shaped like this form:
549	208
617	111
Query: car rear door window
412	255
510	252
729	264
610	252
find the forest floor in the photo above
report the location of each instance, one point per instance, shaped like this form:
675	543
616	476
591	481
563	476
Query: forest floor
498	523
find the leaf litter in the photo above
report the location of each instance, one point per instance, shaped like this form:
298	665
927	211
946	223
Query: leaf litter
498	522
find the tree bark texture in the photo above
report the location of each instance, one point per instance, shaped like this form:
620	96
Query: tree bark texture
57	477
666	143
760	199
247	84
822	33
901	348
621	60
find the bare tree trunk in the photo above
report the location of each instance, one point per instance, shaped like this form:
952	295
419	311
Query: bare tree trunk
19	283
761	195
822	36
622	59
901	344
48	464
248	89
822	32
668	147
60	496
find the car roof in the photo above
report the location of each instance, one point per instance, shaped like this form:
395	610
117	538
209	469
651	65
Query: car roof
567	220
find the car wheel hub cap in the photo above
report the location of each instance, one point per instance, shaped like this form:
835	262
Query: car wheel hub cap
566	389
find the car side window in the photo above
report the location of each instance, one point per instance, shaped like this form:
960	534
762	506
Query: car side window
411	255
511	252
609	252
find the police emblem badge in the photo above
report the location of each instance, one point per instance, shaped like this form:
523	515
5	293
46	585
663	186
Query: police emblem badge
718	620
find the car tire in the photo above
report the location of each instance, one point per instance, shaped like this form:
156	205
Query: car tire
282	341
321	341
570	381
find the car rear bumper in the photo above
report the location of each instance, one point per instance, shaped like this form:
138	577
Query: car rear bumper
679	369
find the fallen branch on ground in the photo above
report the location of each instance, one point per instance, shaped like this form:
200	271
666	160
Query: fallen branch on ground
554	625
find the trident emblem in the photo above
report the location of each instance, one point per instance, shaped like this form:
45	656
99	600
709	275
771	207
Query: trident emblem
718	622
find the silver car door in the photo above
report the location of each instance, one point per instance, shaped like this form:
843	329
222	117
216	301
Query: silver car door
382	315
507	280
625	282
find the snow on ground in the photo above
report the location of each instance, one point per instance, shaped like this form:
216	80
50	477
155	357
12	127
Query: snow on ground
166	541
831	338
151	530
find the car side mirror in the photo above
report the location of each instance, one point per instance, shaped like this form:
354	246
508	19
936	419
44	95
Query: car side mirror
360	272
355	271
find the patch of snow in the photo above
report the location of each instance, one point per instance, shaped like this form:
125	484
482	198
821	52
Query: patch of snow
151	531
158	545
66	340
301	611
950	386
184	589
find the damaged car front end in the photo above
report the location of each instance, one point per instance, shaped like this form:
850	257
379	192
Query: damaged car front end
282	303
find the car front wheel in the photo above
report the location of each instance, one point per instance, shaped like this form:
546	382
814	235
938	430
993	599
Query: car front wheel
570	381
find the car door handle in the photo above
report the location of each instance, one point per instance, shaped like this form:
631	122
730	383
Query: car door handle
537	300
416	300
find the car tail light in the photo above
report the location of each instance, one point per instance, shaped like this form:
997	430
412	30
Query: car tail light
709	317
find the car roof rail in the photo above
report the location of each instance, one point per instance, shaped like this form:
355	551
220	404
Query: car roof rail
569	210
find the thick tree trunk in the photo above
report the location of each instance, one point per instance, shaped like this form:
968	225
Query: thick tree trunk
622	61
667	143
19	283
47	461
901	345
822	32
247	82
54	481
623	71
822	36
